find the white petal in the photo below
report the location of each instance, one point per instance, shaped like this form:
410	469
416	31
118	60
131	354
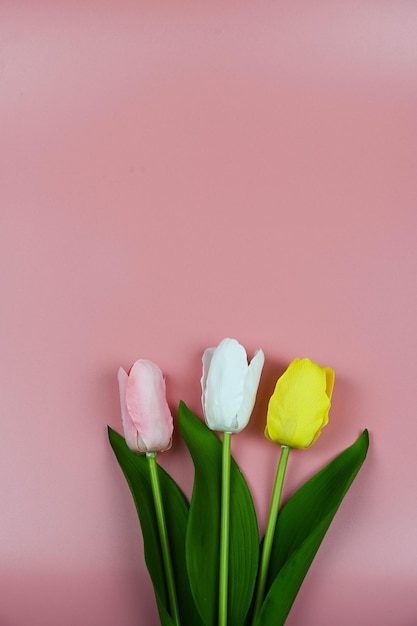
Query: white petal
207	357
251	385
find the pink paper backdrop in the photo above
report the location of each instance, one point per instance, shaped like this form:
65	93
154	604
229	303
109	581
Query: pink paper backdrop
171	174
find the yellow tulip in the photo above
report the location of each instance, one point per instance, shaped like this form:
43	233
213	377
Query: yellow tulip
299	407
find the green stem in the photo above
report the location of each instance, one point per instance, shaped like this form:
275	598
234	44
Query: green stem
224	530
163	535
270	530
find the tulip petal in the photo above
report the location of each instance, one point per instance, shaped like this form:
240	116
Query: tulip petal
329	381
224	385
250	387
147	406
129	428
207	357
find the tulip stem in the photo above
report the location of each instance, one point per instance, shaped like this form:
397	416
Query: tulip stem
224	530
163	535
270	530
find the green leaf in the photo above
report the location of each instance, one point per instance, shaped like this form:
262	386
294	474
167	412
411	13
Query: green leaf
301	527
203	531
136	471
164	616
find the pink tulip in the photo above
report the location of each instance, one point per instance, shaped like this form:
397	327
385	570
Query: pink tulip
147	420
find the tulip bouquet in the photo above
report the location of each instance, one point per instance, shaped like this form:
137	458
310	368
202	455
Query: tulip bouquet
205	558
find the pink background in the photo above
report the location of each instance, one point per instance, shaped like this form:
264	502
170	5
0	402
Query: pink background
171	174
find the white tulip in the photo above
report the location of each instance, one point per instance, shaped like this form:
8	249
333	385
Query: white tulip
229	385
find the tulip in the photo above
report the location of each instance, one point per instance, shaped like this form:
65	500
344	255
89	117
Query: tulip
146	418
148	425
297	411
299	406
229	385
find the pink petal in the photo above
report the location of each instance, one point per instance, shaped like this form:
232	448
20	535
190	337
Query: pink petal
129	428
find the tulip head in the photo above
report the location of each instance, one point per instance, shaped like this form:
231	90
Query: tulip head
299	407
229	385
146	418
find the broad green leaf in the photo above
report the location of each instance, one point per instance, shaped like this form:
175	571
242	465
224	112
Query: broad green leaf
203	531
301	527
136	471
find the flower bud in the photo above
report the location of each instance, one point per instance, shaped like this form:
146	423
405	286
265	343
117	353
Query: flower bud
299	407
229	385
147	420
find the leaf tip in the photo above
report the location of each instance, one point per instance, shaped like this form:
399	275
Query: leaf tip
365	436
